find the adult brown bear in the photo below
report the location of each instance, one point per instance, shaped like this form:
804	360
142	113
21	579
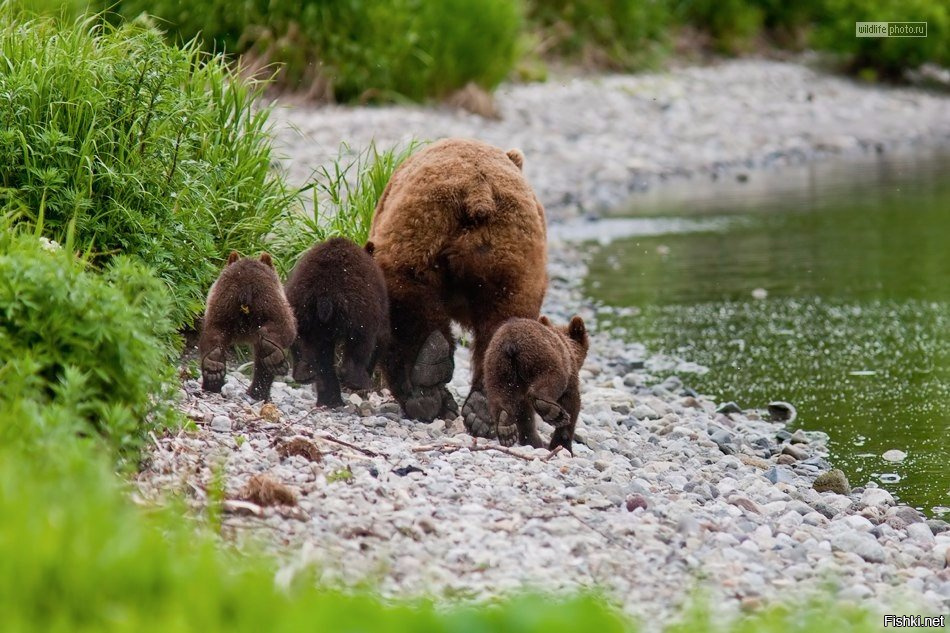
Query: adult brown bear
460	236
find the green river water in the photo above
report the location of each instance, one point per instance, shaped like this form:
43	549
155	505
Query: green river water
853	262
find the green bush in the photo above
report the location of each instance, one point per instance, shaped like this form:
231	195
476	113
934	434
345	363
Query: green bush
887	57
732	24
149	150
83	354
622	34
351	50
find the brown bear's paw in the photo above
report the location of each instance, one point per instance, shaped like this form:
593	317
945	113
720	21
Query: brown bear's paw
476	417
507	429
272	357
356	378
434	363
429	403
213	370
259	390
552	413
563	436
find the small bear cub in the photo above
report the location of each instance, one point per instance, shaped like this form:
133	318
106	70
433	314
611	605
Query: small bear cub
246	305
338	295
532	366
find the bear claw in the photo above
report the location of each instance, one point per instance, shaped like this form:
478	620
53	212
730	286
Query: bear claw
507	432
552	413
213	371
476	416
434	363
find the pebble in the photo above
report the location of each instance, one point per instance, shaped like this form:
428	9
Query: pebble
877	497
894	455
221	424
832	481
636	513
921	533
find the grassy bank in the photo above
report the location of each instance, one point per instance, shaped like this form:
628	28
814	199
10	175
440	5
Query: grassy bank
380	50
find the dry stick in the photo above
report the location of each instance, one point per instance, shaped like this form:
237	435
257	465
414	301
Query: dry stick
451	448
365	451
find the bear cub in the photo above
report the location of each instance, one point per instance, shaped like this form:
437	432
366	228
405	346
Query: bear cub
246	305
532	366
338	295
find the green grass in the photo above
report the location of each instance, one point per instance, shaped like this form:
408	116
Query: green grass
344	194
142	148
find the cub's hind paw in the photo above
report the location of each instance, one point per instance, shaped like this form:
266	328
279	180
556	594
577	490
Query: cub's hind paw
213	371
507	429
434	363
552	413
272	357
476	416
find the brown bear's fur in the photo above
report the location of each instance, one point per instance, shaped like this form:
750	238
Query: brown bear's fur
459	235
531	366
246	305
338	295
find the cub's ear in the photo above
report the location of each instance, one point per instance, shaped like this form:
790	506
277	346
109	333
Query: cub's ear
515	156
265	258
543	320
577	330
370	248
233	257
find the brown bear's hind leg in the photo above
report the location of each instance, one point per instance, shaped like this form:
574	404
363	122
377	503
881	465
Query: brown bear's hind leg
428	397
212	346
327	384
357	356
571	403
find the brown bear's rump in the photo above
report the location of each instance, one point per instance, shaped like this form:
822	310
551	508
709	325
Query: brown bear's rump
462	211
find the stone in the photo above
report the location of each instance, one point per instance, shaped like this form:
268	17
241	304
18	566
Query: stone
221	424
938	526
724	440
921	533
793	451
864	545
635	501
782	412
906	514
777	474
728	407
894	455
877	497
832	481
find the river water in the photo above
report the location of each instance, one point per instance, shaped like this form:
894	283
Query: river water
827	286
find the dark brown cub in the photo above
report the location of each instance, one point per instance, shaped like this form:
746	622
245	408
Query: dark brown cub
531	367
246	305
338	295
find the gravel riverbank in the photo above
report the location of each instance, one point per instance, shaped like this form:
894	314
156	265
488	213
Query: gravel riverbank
664	494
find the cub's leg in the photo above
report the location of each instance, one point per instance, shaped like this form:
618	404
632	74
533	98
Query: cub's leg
212	348
570	402
358	351
327	384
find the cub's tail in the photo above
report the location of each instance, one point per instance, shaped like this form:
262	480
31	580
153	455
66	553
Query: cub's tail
478	203
324	309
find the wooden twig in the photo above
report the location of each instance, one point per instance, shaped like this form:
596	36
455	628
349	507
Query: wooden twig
474	447
365	451
552	454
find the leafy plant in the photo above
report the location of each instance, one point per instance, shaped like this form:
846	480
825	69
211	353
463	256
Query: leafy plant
622	34
355	50
85	355
887	57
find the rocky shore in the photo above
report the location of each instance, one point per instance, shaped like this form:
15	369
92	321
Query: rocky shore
668	492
